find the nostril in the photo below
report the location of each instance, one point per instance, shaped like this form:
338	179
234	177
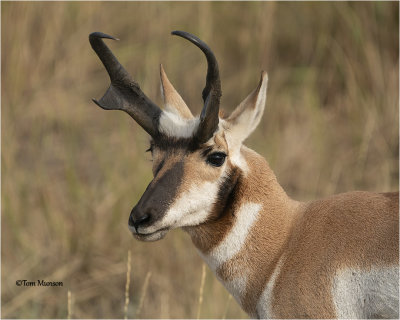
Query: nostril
138	218
142	219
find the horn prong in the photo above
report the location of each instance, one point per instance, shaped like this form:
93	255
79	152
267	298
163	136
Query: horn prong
124	93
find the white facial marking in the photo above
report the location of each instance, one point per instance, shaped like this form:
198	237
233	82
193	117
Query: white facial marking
264	305
191	208
367	294
246	216
172	125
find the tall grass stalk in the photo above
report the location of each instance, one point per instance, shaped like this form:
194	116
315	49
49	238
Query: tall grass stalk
144	290
203	278
69	315
128	281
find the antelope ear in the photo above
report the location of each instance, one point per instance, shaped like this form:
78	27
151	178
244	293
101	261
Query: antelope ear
173	102
245	118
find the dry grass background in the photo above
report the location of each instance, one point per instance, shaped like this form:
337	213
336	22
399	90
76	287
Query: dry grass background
71	172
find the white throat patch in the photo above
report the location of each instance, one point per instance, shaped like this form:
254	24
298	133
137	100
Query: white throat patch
246	216
233	242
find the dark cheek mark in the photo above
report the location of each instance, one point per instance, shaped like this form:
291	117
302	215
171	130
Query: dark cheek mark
227	194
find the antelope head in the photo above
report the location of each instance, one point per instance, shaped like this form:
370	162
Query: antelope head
197	161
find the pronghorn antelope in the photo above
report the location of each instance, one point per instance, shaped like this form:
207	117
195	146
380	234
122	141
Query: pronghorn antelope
280	258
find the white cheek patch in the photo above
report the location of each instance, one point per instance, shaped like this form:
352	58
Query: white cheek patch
233	242
173	125
193	206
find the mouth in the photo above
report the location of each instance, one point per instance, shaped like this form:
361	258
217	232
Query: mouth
147	237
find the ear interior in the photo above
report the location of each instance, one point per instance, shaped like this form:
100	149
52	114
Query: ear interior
246	117
173	102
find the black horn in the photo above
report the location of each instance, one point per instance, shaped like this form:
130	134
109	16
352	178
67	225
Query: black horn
124	93
211	93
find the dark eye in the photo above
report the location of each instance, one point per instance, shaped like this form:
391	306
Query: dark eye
216	159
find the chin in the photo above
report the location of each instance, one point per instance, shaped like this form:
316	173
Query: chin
155	236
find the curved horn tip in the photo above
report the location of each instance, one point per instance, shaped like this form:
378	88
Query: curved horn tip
101	35
188	36
176	32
